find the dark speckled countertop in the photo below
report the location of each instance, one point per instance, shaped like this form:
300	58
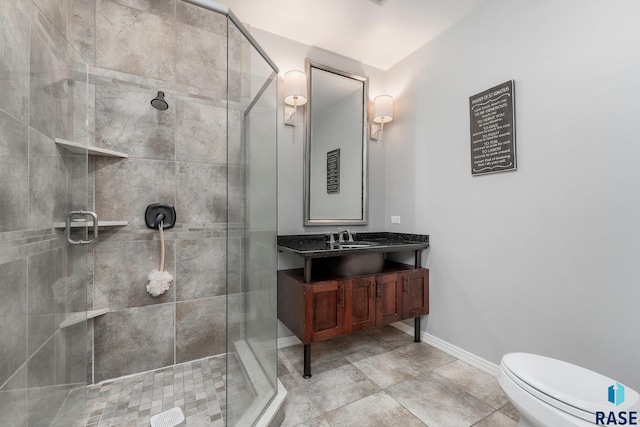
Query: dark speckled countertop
316	246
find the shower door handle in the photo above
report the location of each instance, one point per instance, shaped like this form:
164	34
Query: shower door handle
80	214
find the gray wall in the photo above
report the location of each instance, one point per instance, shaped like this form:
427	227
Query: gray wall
177	156
542	259
290	55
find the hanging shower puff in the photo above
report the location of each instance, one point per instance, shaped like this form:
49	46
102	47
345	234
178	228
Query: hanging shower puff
159	280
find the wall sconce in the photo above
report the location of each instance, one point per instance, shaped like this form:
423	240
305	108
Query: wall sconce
382	113
295	95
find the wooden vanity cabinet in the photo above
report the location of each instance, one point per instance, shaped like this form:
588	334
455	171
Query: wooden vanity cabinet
388	298
324	310
360	309
320	310
374	301
415	293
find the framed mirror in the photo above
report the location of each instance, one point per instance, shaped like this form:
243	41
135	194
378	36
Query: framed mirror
335	169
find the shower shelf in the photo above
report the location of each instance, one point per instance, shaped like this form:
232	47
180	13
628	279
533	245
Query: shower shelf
78	224
81	316
91	150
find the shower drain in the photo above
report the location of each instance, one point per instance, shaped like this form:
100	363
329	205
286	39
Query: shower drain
170	418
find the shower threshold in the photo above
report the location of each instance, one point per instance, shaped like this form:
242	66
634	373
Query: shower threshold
268	405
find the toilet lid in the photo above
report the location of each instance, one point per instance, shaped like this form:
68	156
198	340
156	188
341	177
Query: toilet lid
568	387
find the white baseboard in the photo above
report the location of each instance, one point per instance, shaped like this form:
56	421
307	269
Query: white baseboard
467	357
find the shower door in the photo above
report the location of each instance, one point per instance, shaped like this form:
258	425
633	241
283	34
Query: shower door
43	278
251	312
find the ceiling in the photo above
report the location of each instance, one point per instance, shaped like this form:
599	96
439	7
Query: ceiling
375	32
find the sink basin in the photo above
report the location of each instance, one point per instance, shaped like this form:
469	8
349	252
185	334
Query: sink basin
353	264
356	245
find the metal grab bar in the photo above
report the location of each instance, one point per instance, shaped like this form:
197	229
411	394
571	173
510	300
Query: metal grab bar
81	213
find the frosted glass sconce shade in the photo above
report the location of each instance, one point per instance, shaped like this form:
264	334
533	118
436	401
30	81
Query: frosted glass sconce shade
295	94
382	113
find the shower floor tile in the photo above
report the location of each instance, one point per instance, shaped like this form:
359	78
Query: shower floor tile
199	388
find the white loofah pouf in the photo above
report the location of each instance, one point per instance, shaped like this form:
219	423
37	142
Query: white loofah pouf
159	282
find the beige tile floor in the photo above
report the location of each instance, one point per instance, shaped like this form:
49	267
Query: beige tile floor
381	377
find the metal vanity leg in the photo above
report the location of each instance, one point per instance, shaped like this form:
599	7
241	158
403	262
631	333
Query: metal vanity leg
416	329
307	361
307	270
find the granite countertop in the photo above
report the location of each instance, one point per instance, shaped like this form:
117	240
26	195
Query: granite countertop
316	246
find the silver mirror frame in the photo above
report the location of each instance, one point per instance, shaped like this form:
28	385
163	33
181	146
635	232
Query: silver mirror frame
308	221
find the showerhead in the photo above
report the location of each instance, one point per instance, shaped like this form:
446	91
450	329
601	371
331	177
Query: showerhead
158	102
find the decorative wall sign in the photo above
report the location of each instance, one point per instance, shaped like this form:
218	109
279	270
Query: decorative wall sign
333	171
493	130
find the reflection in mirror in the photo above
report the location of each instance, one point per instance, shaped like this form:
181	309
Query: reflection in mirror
336	147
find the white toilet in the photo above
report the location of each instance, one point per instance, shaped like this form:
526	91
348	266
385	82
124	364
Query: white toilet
553	393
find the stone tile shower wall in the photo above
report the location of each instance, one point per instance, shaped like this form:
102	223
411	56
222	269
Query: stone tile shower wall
43	97
179	156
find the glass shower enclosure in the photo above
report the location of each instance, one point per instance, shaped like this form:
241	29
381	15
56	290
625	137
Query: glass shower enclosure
252	336
43	277
74	311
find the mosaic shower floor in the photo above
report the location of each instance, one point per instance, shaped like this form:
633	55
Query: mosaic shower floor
198	387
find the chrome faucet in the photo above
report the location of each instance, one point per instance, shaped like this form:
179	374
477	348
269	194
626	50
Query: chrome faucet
341	236
330	240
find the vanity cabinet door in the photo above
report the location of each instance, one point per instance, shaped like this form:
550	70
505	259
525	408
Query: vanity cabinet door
388	299
325	307
415	293
360	304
